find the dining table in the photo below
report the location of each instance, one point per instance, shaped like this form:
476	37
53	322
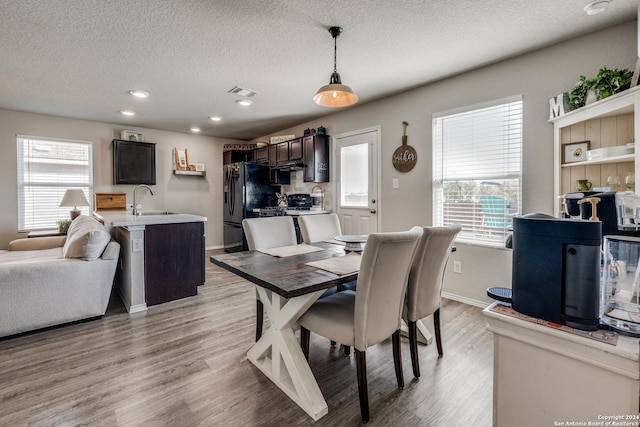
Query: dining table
287	286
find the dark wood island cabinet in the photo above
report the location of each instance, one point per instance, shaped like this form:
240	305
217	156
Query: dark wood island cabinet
174	261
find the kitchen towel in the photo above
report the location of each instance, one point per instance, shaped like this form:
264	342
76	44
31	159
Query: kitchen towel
285	251
339	265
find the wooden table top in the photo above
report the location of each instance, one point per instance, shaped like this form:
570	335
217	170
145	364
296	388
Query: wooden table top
288	276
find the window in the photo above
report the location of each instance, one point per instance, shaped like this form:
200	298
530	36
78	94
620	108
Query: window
46	168
477	173
354	175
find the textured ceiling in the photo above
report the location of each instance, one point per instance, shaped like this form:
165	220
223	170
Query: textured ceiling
79	58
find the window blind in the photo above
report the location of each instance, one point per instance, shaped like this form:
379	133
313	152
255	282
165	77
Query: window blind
47	167
477	169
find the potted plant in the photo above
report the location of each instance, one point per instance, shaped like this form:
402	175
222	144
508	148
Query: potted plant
63	225
606	83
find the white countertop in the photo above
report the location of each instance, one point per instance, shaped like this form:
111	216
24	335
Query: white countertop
125	218
298	213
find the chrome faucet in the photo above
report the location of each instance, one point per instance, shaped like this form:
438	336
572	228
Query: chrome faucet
135	205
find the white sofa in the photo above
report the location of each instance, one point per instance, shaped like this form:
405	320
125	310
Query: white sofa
53	280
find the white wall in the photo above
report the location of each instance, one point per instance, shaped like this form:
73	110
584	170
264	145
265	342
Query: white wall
538	76
188	194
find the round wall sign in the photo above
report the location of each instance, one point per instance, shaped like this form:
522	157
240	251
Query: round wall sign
405	156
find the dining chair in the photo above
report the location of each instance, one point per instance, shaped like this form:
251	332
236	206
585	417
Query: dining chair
370	315
267	233
424	287
318	228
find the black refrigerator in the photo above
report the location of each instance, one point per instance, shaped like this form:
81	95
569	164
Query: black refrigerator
246	187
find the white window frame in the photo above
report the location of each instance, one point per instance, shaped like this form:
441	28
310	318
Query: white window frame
49	188
477	152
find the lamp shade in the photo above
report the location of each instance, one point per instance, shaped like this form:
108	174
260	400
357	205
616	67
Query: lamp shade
335	95
74	197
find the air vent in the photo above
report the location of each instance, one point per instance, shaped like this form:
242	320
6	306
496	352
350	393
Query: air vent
247	93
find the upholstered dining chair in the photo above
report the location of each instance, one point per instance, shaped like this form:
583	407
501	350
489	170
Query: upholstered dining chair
318	228
370	315
267	233
424	287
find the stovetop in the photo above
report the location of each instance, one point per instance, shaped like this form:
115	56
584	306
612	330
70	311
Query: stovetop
281	211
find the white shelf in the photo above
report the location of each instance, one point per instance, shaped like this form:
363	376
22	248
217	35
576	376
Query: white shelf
612	159
620	103
190	173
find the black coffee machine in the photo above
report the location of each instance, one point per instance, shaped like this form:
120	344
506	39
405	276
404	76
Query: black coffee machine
556	269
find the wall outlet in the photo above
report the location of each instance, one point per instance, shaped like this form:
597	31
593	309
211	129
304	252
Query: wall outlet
457	267
137	245
395	183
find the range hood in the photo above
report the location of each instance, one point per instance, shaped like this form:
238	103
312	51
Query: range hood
290	166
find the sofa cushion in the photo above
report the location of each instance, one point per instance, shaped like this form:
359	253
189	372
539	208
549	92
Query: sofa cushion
86	239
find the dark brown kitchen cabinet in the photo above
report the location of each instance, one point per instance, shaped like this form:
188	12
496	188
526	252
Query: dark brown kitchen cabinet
295	149
233	156
282	152
262	155
289	151
173	261
316	158
272	155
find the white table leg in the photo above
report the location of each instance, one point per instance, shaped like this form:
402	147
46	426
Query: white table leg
279	356
424	336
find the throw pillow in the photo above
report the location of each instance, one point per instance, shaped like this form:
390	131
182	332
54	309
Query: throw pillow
86	239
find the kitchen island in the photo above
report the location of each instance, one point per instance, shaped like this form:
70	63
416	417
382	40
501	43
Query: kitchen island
161	256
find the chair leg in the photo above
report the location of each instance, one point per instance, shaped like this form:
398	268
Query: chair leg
361	369
397	358
436	327
304	341
413	347
347	350
259	318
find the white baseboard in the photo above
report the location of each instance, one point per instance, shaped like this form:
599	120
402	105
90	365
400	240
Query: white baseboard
208	248
465	300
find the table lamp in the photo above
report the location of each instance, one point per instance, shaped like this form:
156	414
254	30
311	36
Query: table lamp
74	197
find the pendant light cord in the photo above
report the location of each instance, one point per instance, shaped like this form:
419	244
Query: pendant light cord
335	54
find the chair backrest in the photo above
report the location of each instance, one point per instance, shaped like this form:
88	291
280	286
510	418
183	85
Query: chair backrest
495	210
269	232
317	228
382	280
427	271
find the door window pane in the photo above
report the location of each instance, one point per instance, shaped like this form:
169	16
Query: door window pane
354	175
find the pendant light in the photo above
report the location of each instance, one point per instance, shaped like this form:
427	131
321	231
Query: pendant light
335	94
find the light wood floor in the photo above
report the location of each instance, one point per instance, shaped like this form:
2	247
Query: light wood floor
184	364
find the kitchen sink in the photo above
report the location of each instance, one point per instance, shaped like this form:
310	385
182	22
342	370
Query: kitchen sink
157	213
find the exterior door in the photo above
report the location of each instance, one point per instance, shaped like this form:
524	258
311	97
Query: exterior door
357	179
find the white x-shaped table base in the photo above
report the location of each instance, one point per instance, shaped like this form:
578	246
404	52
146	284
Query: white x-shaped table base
424	336
279	356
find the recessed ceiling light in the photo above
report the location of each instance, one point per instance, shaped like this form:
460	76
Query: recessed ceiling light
139	93
244	102
215	118
127	113
194	129
596	6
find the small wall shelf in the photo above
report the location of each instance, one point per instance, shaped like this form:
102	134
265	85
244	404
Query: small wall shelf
613	159
191	173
